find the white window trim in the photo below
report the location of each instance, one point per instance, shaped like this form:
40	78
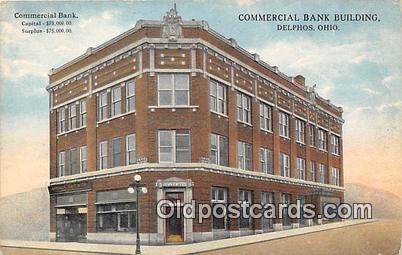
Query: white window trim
114	102
82	148
128	97
266	114
243	150
101	167
173	140
243	109
301	167
300	130
217	84
285	125
61	163
173	104
265	157
218	148
335	143
286	164
128	150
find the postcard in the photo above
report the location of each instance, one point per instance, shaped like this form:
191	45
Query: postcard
200	127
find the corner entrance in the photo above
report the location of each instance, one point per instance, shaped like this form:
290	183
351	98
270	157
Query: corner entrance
175	224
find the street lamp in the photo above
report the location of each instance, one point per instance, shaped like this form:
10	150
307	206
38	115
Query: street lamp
136	187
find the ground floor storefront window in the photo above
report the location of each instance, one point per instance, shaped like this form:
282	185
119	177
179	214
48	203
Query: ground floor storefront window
119	217
115	211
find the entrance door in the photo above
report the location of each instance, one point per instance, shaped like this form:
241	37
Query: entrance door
175	224
71	227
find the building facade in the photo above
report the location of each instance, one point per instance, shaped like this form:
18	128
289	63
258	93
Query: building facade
198	117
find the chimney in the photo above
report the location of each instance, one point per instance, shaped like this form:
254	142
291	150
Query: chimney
299	79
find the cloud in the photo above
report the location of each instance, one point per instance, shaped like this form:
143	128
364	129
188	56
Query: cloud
390	106
246	2
391	80
14	69
370	91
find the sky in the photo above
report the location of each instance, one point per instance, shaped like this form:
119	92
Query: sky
357	67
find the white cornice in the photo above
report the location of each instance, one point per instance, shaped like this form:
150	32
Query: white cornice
185	167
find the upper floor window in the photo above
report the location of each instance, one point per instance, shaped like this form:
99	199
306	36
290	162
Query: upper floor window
284	165
83	159
61	163
116	101
311	135
83	113
266	160
244	155
72	116
335	176
265	117
335	144
300	168
102	155
312	171
284	124
130	96
321	173
218	150
61	120
115	152
243	108
217	97
322	140
130	149
173	89
72	162
174	146
300	131
103	109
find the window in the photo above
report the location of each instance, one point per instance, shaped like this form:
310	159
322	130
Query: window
130	96
285	199
244	155
300	131
283	124
321	173
311	135
266	160
300	168
322	140
115	152
245	197
217	97
116	101
265	117
62	163
335	176
174	146
117	217
83	159
61	120
130	149
102	106
312	171
243	108
83	113
218	153
72	161
219	197
72	116
284	164
335	144
267	198
173	89
103	155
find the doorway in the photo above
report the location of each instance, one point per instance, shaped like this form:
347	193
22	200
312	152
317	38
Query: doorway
175	223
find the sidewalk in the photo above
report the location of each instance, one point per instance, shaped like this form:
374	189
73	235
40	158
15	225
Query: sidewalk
205	247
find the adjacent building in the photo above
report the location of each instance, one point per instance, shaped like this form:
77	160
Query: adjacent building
198	117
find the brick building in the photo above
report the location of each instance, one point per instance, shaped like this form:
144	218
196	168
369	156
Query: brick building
198	117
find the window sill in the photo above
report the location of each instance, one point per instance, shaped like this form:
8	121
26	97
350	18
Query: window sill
219	114
114	117
71	131
266	131
173	107
336	155
284	137
244	123
300	143
322	150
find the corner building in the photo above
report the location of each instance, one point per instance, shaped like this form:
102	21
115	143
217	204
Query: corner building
198	117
